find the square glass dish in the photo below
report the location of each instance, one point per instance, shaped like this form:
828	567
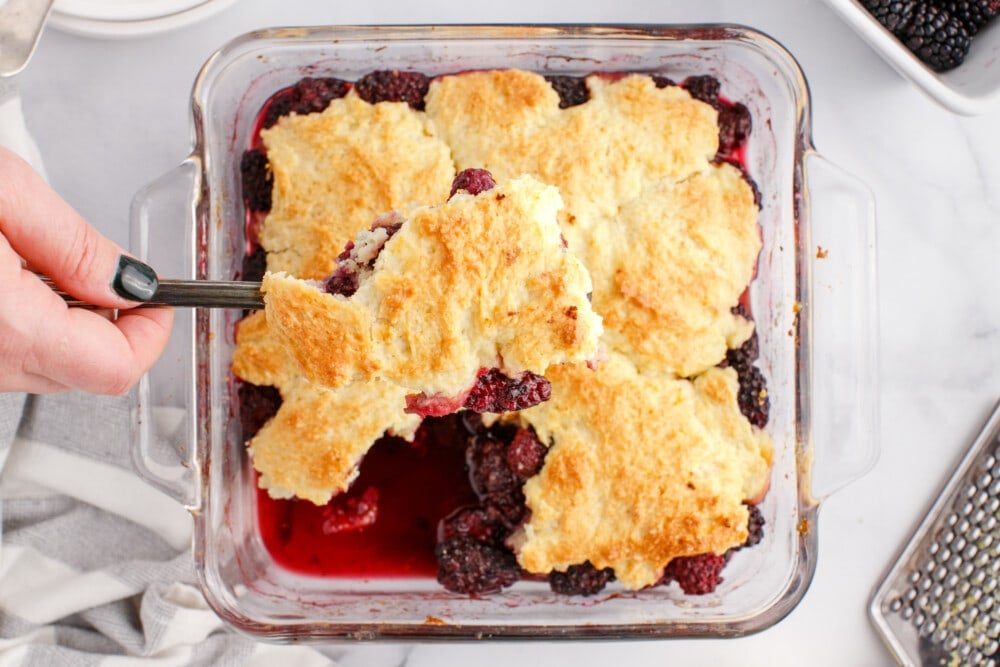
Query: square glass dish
813	300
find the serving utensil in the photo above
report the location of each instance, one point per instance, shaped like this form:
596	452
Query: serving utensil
189	294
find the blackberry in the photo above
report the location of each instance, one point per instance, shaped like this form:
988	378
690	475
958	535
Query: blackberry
752	398
974	14
394	86
347	512
254	265
258	403
572	90
257	180
696	575
734	127
936	37
472	181
481	524
343	281
495	392
525	454
734	118
744	355
491	477
893	14
470	567
583	579
309	95
755	527
662	81
704	88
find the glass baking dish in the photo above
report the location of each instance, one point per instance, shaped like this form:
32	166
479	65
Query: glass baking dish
814	301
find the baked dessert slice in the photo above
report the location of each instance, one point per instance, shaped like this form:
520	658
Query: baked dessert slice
639	471
446	304
312	446
668	232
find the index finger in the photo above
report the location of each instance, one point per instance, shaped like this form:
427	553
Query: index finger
55	240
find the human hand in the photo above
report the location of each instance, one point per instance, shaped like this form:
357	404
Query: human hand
45	346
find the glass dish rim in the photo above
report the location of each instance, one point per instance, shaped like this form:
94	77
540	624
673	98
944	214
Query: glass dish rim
807	506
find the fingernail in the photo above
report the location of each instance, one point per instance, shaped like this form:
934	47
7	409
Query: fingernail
134	280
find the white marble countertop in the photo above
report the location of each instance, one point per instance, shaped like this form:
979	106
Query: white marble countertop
110	116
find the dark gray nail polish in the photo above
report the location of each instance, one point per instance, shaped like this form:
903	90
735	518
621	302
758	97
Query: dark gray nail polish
134	280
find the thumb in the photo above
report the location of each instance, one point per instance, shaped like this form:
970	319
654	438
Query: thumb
57	241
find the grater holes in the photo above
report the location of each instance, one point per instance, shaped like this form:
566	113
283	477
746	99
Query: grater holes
950	594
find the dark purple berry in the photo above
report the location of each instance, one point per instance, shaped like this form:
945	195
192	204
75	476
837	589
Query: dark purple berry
696	575
974	14
470	567
473	181
343	281
893	14
572	90
583	579
745	355
257	180
348	512
309	95
489	473
482	524
258	403
495	392
752	397
936	37
755	527
734	127
394	86
753	400
663	82
525	454
704	88
254	265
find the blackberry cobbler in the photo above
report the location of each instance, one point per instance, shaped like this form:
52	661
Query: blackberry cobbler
466	303
643	467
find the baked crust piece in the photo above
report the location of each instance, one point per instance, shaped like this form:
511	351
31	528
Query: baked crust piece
312	447
670	238
334	171
666	288
477	282
640	470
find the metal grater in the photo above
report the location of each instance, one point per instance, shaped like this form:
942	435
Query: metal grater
940	602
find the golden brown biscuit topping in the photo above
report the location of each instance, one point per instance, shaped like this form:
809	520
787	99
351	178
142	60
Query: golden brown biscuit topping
640	470
478	282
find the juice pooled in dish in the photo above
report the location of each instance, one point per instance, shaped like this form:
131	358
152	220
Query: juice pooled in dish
646	467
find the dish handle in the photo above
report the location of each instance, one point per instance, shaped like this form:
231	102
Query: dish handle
840	258
163	222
